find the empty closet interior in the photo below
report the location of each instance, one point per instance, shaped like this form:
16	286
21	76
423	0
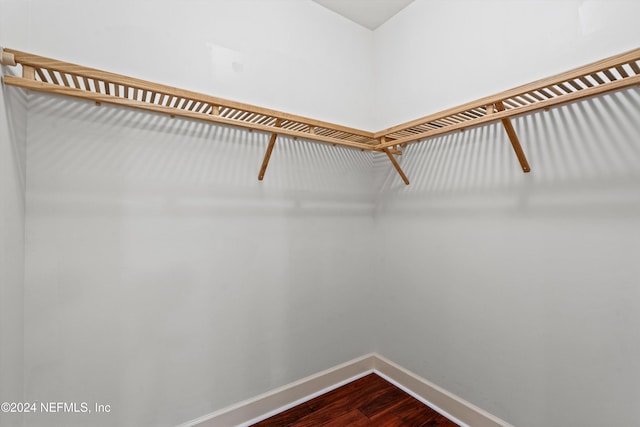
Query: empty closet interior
206	202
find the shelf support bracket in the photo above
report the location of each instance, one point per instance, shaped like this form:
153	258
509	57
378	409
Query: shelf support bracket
267	155
394	162
513	137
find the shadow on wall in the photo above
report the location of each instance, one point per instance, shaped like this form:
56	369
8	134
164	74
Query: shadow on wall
16	108
585	160
159	266
13	112
151	160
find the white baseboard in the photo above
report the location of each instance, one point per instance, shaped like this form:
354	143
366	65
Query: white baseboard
448	404
251	411
278	400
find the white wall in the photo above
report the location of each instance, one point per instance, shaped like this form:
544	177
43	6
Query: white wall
165	280
289	55
516	292
13	114
437	54
162	278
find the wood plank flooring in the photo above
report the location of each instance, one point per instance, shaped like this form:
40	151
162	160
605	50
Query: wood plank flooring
368	401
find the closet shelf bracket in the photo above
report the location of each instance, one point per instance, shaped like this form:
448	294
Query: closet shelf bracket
394	162
513	137
267	154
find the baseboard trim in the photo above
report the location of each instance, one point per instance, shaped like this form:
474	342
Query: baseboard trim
251	411
280	399
448	404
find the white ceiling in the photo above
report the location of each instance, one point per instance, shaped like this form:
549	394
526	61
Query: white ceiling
368	13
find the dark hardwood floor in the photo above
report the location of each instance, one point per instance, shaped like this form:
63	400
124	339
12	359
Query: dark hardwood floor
368	401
